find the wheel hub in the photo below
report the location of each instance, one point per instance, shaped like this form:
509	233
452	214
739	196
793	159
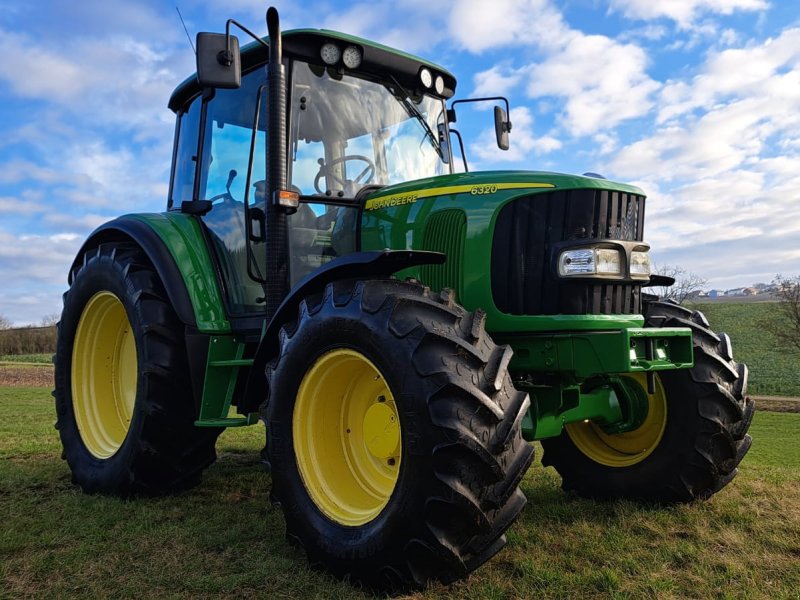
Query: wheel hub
381	429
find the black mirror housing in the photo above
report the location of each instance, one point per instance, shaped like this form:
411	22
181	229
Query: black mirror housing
218	66
501	127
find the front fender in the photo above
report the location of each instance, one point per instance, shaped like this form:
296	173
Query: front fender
359	265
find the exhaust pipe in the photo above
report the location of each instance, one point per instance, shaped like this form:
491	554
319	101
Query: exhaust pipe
277	251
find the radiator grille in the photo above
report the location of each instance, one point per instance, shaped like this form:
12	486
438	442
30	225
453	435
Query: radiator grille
523	281
445	232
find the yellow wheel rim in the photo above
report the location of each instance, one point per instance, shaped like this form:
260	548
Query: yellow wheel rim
629	448
347	437
104	374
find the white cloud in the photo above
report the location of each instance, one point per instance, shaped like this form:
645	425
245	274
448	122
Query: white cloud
683	12
524	142
479	25
721	164
499	80
601	81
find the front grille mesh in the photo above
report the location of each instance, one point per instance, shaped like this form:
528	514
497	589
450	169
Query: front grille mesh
445	232
523	280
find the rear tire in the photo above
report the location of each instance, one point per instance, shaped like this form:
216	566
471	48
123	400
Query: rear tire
444	487
703	441
124	406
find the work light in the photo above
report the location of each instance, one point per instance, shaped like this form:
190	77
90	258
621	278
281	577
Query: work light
351	57
330	53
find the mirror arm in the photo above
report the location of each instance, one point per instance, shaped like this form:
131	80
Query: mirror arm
451	113
226	58
461	145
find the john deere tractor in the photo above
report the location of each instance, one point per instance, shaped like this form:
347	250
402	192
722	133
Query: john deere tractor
402	329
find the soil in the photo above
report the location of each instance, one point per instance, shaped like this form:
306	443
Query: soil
42	376
26	376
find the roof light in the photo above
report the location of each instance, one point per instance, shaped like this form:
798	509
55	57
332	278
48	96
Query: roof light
425	77
330	53
351	57
439	85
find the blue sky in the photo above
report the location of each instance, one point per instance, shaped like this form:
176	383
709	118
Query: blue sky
696	101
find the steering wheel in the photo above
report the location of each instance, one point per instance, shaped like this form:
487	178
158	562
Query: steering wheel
364	177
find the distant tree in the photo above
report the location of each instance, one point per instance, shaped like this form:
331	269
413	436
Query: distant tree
786	324
4	323
50	320
687	285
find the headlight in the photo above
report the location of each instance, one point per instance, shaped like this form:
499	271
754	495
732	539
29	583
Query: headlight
590	261
640	265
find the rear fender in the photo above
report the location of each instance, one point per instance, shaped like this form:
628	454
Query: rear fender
175	246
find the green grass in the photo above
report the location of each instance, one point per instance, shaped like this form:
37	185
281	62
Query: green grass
773	370
224	539
39	359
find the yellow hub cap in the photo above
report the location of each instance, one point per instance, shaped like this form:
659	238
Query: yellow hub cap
104	374
629	448
347	437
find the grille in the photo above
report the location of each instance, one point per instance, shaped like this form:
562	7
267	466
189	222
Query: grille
444	232
523	281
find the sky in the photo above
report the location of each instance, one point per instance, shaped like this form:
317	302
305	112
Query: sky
695	101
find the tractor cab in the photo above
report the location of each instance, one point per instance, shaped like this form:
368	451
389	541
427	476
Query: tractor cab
358	117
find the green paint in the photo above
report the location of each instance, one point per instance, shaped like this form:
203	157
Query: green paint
403	227
585	354
182	236
566	351
225	358
617	404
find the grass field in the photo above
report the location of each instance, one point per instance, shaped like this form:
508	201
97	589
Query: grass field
772	369
223	539
38	359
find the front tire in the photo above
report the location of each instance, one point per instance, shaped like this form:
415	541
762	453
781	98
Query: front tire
394	435
692	442
125	412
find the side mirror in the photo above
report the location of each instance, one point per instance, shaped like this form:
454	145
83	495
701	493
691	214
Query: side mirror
501	127
218	65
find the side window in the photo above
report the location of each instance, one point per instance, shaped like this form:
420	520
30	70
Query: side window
318	233
226	155
186	154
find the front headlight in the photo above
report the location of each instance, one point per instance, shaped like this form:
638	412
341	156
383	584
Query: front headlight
590	261
640	265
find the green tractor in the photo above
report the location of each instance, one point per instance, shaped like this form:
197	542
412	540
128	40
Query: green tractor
403	330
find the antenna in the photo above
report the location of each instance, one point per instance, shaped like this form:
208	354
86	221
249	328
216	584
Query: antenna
188	37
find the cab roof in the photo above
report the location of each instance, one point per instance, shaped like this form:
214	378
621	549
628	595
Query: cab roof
378	61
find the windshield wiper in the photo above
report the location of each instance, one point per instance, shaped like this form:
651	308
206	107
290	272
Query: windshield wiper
413	111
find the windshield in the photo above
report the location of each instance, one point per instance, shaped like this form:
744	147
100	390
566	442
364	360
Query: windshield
348	132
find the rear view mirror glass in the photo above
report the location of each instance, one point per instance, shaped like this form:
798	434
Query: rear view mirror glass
501	127
217	66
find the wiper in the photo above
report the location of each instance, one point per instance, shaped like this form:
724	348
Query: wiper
413	111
